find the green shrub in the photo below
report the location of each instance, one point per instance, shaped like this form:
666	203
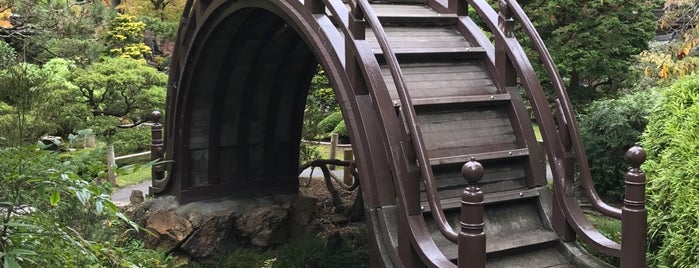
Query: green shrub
672	169
131	140
302	252
330	122
608	128
341	129
61	220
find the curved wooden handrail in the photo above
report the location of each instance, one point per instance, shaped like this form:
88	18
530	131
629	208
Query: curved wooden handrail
410	116
544	117
567	109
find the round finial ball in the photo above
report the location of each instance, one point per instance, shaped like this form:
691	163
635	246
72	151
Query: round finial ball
155	116
635	156
472	171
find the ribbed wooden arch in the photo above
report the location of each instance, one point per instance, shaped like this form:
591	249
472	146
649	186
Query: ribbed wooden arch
235	108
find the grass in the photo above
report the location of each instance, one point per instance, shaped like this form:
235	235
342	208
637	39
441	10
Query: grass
610	228
537	132
311	251
137	176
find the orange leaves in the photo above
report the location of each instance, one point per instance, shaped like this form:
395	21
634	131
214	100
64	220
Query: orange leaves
5	18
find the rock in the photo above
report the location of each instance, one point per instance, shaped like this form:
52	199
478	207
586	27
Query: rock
304	212
264	226
136	197
210	238
169	229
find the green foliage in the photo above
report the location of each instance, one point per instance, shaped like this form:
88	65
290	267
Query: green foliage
330	122
53	218
608	128
316	109
131	140
7	55
125	38
160	28
302	252
671	141
341	129
593	42
81	51
42	21
20	90
121	87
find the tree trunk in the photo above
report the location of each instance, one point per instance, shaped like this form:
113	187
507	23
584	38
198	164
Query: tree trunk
115	3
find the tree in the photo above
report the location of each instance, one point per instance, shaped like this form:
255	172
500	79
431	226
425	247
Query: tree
121	87
125	38
593	42
676	58
29	97
36	22
165	10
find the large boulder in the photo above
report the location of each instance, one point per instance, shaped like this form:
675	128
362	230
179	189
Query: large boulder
208	240
265	226
168	229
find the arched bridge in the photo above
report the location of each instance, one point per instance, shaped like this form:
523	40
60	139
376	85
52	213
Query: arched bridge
424	89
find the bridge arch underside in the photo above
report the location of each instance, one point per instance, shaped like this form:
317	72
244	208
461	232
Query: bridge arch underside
242	111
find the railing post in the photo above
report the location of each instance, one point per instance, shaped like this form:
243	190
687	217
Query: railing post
505	21
356	26
558	219
315	6
156	146
460	7
471	235
507	74
634	214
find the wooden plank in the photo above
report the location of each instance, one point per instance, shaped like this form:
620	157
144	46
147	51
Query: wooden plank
490	198
458	100
419	37
499	186
479	156
450	177
131	156
438	80
433	53
463	129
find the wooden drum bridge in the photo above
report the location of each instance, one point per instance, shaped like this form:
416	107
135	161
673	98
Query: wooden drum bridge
433	93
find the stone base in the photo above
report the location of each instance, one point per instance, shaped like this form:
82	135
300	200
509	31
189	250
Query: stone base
202	230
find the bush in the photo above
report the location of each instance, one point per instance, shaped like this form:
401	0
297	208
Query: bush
131	140
330	122
672	142
608	128
341	129
61	220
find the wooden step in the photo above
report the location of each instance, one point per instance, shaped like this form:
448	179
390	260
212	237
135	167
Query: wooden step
435	80
510	228
548	257
458	159
466	132
489	198
402	14
454	100
423	54
425	43
395	2
499	177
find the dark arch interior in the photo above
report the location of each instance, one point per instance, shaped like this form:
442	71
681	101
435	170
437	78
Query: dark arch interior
244	110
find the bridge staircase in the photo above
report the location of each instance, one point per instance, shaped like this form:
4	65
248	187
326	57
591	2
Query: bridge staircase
464	113
462	102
